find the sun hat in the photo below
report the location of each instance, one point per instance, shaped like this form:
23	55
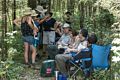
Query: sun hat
33	13
66	25
40	9
27	11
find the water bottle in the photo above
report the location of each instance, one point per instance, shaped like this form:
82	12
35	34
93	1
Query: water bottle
36	39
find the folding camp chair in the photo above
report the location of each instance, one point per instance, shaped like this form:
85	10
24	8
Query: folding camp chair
82	61
100	60
101	57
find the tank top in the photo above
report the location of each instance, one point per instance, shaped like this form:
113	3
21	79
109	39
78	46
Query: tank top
26	29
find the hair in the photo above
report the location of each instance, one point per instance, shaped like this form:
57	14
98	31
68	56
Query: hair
84	33
74	32
50	13
68	13
92	39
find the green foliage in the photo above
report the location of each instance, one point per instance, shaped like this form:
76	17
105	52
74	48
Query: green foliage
101	23
116	70
14	42
102	74
10	69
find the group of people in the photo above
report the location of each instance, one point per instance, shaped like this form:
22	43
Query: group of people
67	42
38	23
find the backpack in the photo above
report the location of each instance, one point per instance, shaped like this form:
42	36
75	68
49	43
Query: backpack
47	68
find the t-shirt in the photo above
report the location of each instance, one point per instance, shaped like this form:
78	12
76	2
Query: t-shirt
82	45
65	40
49	24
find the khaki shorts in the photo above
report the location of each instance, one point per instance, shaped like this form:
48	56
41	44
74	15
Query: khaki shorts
48	37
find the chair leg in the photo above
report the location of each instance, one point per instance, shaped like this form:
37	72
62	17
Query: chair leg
78	68
75	72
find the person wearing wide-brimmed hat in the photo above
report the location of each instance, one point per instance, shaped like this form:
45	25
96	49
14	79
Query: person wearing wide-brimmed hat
27	29
40	9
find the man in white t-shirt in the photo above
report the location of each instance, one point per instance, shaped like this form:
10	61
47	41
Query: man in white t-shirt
63	42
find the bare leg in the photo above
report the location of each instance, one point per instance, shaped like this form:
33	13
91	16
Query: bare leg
33	53
26	46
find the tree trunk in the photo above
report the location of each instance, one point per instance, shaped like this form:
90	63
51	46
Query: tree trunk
32	4
49	6
14	14
4	29
68	5
81	10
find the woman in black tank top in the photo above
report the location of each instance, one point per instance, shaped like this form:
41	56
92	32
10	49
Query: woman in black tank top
27	28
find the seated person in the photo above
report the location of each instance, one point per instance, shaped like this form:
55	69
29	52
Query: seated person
74	35
87	53
65	39
63	42
80	43
62	58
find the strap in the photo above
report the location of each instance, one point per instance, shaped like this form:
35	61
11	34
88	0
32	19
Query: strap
34	24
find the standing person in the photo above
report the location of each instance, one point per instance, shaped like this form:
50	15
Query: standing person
41	17
27	29
48	31
68	18
40	11
38	20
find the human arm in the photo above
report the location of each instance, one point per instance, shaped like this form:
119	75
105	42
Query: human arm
17	22
31	23
42	20
82	45
58	28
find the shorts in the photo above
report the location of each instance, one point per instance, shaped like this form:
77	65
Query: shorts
28	39
48	37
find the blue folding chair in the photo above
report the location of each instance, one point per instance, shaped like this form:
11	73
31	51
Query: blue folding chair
80	62
100	60
100	56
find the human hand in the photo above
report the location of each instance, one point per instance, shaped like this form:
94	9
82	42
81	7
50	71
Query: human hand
67	51
46	17
34	32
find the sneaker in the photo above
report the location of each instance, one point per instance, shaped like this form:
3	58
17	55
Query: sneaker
27	64
33	65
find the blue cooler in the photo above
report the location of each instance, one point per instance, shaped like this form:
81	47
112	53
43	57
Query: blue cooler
62	77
